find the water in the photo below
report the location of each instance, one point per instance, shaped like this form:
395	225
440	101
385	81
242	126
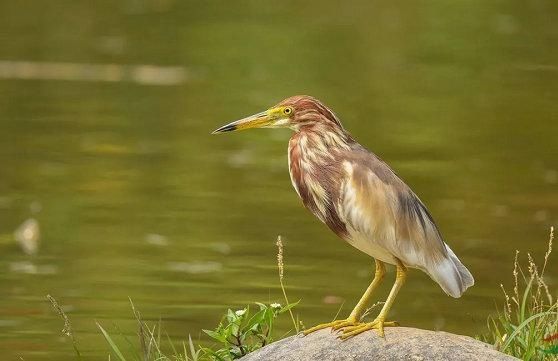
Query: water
134	198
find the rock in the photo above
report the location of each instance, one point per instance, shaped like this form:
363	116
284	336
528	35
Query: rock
400	343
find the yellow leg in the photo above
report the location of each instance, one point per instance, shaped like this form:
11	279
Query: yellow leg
380	322
359	309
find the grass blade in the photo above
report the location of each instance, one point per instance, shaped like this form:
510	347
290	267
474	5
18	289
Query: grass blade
115	348
520	327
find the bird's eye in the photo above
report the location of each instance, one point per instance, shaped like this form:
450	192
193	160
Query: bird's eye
288	111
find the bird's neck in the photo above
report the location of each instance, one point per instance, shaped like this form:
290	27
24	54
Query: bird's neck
310	149
319	142
312	159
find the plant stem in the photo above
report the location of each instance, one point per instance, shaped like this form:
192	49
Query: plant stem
287	302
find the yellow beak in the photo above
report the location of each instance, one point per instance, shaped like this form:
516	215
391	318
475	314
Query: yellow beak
259	120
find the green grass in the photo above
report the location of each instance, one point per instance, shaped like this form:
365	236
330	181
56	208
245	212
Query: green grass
527	325
148	346
238	333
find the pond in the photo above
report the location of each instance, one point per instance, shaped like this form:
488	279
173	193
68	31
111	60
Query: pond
106	110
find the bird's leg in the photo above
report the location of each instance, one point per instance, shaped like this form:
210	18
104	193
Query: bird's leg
360	308
356	314
380	322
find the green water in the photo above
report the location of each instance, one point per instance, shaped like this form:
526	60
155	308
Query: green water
136	200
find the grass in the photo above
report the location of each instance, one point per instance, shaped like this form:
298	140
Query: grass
149	341
67	329
527	325
297	324
238	333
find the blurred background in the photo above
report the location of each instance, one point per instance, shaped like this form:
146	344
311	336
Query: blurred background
111	186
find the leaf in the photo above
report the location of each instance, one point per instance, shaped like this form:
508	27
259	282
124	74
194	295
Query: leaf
171	343
552	350
524	300
271	315
520	327
223	355
193	351
289	306
255	320
228	331
216	336
115	348
213	354
231	316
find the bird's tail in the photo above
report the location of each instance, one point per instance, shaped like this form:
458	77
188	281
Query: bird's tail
451	275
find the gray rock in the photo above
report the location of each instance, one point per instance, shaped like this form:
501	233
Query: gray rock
400	343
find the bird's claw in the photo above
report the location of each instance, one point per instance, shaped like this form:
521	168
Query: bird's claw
341	324
350	327
377	324
334	325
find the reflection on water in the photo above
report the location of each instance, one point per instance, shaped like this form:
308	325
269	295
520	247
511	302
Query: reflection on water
32	268
28	235
141	74
138	201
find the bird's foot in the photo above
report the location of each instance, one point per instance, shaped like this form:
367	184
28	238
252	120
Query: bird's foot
377	324
335	325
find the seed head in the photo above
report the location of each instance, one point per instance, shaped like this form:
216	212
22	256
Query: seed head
280	257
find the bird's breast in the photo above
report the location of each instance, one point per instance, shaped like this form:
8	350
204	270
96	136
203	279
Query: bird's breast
316	178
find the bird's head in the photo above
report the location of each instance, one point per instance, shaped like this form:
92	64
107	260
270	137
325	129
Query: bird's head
297	112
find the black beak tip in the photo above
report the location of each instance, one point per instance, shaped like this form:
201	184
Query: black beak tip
225	128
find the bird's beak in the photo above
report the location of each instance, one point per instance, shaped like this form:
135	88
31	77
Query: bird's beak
259	120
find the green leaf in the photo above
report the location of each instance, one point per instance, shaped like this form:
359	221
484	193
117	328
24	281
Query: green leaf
193	351
289	306
553	350
262	305
216	335
231	316
255	320
520	327
115	348
213	354
524	300
228	331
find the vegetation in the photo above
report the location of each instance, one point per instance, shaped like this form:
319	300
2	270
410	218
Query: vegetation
67	329
237	335
527	326
239	332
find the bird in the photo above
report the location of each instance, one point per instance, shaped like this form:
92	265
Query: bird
363	201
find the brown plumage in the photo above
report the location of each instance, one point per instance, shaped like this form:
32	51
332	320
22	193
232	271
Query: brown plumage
361	199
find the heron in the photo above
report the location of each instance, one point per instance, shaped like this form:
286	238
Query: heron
361	199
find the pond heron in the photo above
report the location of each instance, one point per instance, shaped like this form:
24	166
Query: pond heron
362	200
